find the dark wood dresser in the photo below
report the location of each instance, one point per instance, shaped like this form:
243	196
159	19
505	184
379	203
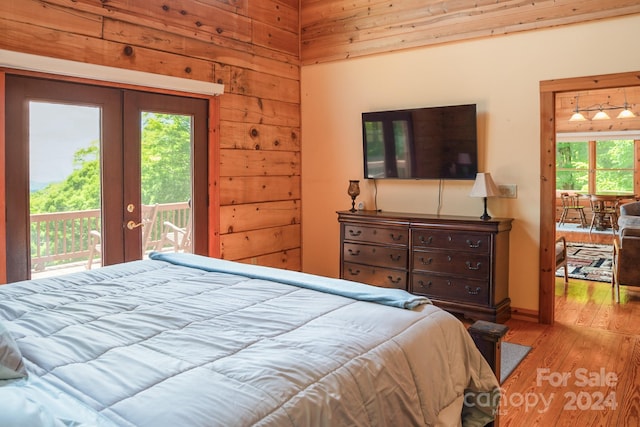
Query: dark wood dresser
460	263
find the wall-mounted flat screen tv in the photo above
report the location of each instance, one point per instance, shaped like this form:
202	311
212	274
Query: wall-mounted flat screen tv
421	143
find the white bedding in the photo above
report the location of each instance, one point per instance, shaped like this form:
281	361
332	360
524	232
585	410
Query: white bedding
151	343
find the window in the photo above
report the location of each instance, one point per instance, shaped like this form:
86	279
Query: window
596	166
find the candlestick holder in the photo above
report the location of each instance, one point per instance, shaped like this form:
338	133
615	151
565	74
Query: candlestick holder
353	191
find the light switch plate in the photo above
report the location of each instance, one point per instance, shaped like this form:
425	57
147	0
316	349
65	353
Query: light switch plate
508	190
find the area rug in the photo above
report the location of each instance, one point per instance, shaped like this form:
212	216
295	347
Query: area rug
587	261
510	357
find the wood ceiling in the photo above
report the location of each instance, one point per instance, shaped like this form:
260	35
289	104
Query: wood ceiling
566	105
340	29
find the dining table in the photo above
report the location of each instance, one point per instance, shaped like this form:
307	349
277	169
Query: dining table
606	208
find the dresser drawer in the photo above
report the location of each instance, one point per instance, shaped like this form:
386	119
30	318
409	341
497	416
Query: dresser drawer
459	263
450	288
452	240
381	235
384	277
375	255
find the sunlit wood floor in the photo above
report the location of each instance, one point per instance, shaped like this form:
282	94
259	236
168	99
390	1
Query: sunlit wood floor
585	369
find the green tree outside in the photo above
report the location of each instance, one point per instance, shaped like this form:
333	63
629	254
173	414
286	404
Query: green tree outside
166	169
613	166
165	178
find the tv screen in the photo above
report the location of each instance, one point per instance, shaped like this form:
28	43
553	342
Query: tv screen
421	143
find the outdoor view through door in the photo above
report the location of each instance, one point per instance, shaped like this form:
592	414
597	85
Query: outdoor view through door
110	175
65	186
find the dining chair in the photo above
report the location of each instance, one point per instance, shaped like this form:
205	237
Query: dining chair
572	202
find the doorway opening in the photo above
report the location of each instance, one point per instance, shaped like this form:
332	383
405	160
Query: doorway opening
549	90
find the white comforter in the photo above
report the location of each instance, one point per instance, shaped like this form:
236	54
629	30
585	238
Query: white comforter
151	343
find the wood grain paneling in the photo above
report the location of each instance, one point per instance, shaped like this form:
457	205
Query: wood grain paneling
338	29
250	47
43	41
52	16
255	216
259	163
289	260
251	136
259	242
566	105
127	32
247	109
240	190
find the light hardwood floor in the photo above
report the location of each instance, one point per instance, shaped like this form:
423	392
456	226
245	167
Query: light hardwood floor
582	371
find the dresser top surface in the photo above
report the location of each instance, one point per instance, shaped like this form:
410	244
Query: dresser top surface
417	217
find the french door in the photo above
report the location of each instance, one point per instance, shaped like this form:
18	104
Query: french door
99	161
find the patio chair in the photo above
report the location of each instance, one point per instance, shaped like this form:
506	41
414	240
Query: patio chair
179	237
148	221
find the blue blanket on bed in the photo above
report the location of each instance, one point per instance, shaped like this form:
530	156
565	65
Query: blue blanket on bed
346	288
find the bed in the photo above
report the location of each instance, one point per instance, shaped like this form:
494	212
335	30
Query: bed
187	340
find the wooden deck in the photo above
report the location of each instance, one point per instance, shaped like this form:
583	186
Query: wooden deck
595	345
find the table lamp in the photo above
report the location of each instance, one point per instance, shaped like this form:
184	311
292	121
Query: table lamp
484	187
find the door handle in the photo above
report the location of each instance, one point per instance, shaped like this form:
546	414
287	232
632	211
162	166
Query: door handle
132	224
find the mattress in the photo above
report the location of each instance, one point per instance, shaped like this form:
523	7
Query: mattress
184	340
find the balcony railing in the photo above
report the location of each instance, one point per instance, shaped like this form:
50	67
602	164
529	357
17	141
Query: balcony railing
62	239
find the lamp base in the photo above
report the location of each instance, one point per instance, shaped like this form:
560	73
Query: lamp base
485	216
353	204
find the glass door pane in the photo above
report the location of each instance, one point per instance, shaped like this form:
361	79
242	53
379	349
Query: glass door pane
64	187
165	167
166	182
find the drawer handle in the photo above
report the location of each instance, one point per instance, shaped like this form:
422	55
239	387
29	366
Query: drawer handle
354	272
426	261
355	233
426	241
396	281
472	291
422	284
474	245
395	258
395	238
470	267
354	253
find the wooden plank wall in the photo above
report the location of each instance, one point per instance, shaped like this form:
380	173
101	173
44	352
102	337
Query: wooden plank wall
252	47
566	104
339	29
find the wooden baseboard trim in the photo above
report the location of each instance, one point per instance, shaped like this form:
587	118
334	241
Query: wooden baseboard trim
524	314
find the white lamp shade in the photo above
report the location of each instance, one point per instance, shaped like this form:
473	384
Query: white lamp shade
577	117
601	115
626	114
484	186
